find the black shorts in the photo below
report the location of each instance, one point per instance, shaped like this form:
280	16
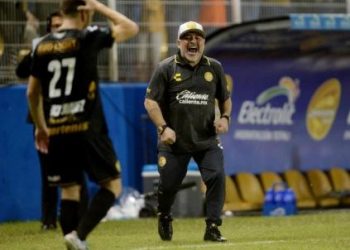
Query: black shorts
72	155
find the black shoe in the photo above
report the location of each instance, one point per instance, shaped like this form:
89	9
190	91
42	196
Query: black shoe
212	233
165	227
46	227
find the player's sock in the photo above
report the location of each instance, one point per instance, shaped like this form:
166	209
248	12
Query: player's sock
98	208
69	216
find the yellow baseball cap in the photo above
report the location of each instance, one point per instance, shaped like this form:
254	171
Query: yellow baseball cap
190	26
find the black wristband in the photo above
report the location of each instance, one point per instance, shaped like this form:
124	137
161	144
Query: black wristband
227	117
161	129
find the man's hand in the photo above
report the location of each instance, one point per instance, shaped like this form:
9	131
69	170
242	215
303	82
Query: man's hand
168	136
42	140
89	6
221	125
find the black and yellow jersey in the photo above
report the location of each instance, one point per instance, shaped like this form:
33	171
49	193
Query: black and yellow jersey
186	96
65	62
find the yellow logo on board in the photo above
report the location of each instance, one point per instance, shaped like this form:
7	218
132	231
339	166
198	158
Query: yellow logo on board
323	108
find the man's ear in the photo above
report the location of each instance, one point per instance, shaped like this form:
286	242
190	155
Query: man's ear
81	15
84	16
178	43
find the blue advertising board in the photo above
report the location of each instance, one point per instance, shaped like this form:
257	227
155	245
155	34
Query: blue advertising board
290	93
132	135
295	116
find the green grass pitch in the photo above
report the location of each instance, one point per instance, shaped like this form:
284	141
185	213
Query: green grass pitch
313	230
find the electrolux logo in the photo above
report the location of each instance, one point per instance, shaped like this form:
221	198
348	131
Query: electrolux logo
261	111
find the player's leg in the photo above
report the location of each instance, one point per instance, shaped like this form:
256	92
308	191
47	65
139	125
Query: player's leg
64	169
172	169
84	197
69	215
99	206
210	164
49	196
66	158
103	167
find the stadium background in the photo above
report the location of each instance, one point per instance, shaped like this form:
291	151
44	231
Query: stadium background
124	72
159	19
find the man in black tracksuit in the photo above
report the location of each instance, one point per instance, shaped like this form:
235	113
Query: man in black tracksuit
180	101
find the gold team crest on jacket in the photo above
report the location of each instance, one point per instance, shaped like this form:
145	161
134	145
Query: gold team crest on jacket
161	161
177	77
208	76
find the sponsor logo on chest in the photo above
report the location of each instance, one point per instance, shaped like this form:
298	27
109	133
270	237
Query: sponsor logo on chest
191	97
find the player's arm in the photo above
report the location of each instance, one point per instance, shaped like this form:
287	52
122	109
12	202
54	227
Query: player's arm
223	123
225	108
166	134
154	112
122	27
23	67
35	102
223	96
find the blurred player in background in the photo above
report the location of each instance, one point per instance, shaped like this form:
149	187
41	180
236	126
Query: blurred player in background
180	101
65	104
53	22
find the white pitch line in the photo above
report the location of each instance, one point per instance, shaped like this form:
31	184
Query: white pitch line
211	245
226	244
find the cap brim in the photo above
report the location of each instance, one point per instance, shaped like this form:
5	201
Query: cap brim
197	31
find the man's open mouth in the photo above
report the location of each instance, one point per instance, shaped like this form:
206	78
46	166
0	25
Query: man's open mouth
193	50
